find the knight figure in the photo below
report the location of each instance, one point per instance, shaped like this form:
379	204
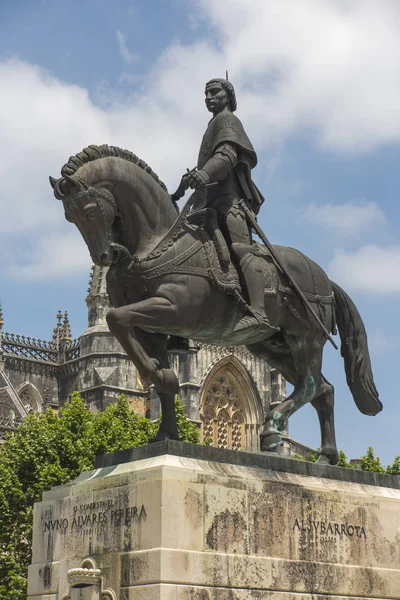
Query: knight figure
223	178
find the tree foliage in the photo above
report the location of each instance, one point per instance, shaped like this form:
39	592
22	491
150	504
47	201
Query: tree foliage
394	469
342	460
187	430
311	456
48	450
370	463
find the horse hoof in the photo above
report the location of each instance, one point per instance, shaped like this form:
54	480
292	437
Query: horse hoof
166	381
170	384
328	458
323	460
162	436
270	442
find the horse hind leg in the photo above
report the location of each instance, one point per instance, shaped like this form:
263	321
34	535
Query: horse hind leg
306	352
324	404
275	421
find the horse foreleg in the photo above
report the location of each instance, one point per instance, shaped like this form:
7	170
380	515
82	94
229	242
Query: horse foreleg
155	345
148	352
153	313
323	404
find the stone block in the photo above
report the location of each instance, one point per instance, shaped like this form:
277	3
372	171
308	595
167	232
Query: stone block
175	521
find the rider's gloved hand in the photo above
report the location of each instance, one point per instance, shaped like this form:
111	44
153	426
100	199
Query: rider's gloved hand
180	192
197	179
184	184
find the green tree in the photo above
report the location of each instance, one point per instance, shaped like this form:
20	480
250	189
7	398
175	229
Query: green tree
187	430
394	469
48	450
342	460
311	456
371	463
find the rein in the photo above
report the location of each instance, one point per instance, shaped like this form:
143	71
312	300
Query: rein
165	242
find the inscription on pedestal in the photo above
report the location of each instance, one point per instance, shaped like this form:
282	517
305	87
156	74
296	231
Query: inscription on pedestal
328	528
94	516
189	528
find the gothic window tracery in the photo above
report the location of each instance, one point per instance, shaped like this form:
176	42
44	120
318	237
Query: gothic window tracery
223	412
30	399
237	431
7	414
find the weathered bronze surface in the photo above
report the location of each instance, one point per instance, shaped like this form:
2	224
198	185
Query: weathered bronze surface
199	275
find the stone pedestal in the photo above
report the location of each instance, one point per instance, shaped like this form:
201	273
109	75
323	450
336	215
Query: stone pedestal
174	521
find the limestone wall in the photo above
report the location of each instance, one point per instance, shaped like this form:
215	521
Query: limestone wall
180	522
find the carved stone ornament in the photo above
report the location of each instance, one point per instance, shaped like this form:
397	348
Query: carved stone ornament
86	583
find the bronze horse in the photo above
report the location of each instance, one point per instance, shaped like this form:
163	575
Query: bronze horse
171	278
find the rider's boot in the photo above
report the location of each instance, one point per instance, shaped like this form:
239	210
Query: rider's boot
251	268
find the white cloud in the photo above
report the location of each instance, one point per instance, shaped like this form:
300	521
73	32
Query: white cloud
54	256
379	343
127	56
42	122
328	65
345	220
370	269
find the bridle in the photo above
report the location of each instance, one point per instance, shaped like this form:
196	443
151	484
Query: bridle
99	196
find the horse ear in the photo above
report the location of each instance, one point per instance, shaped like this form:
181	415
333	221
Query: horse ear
55	184
71	182
53	181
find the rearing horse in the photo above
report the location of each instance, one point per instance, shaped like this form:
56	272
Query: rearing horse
169	278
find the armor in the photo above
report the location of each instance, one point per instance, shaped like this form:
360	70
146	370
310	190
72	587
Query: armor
225	160
227	156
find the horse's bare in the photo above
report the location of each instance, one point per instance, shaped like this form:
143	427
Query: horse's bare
161	282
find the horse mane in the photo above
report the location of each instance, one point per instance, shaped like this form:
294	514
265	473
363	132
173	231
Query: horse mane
94	152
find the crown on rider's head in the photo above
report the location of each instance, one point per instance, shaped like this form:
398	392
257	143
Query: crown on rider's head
229	89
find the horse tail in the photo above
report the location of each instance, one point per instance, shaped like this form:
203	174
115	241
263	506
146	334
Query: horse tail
354	349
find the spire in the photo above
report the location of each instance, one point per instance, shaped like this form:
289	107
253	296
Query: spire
57	328
90	279
66	327
97	299
62	331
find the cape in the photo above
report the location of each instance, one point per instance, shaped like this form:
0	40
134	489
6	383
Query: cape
226	127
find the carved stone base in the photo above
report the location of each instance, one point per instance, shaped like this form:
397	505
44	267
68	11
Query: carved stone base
172	521
86	583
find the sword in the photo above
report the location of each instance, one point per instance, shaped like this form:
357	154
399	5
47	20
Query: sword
253	222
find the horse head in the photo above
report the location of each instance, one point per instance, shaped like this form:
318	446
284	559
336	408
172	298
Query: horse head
93	211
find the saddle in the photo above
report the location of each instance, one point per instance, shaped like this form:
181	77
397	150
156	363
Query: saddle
206	238
221	268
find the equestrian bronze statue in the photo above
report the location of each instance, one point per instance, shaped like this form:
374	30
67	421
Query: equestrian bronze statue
199	274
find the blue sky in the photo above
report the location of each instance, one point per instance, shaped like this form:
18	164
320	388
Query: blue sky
318	92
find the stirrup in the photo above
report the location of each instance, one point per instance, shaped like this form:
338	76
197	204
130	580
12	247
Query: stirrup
255	321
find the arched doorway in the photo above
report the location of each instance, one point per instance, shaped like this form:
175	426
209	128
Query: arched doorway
230	408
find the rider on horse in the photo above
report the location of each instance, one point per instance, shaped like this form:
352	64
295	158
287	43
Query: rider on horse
225	160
